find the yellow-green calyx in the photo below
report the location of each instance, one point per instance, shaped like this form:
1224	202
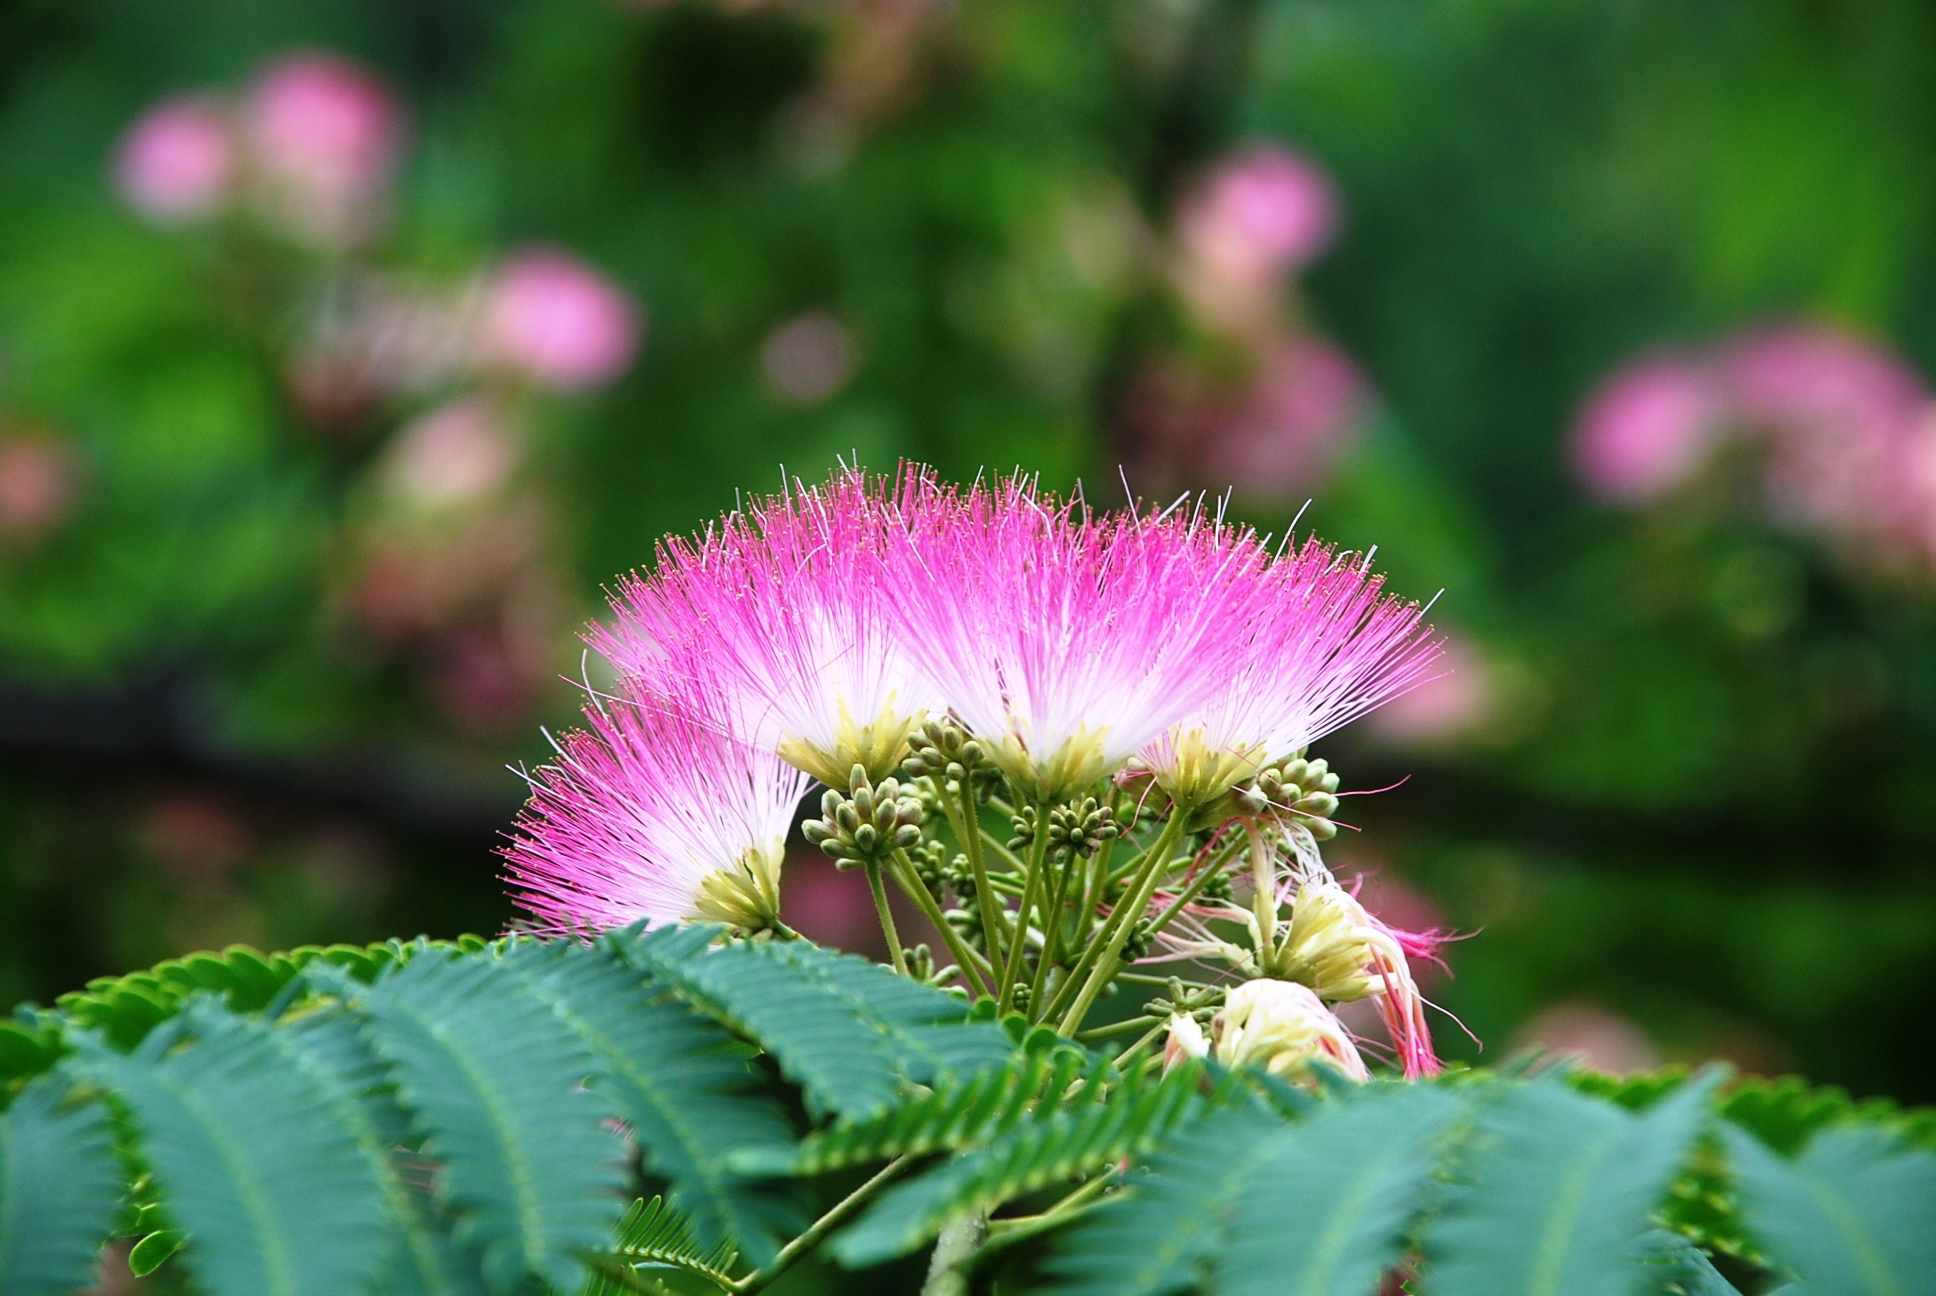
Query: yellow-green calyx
747	896
1071	767
1196	773
878	747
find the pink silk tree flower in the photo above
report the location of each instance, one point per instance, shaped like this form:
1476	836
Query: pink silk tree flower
1324	645
784	608
552	318
1069	642
653	811
178	161
324	138
1647	429
1264	211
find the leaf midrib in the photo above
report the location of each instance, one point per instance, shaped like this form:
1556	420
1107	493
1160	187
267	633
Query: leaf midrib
1562	1220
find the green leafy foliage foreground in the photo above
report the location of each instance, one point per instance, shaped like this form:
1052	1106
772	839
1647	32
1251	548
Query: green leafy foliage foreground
473	1118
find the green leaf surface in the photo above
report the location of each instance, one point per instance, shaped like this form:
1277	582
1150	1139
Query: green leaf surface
690	1101
496	1081
1157	1235
849	1032
253	1156
1560	1187
1329	1206
1058	1145
423	1258
1674	1266
59	1185
1854	1215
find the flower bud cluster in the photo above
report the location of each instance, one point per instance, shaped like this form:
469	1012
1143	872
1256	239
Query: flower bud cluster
869	823
1305	791
1080	827
942	748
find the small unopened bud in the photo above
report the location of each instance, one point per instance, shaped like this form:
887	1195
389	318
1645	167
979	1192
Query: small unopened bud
1283	1027
907	836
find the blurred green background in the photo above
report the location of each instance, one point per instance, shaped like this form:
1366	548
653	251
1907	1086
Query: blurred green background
331	394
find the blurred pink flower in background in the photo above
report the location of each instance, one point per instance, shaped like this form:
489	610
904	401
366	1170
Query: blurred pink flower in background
178	159
39	480
1647	429
552	318
324	138
1447	707
1303	409
1598	1037
1264	211
808	358
458	453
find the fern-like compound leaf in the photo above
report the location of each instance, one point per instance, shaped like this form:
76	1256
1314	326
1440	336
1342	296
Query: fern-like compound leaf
654	1236
849	1032
673	1077
423	1257
1060	1144
1560	1190
254	1158
497	1084
1854	1215
1157	1236
59	1185
1332	1201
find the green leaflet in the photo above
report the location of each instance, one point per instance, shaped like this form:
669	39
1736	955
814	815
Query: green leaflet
59	1185
1156	1237
653	1236
1053	1147
422	1258
957	1115
1331	1202
1855	1214
690	1102
849	1032
254	1157
495	1079
1673	1266
1560	1186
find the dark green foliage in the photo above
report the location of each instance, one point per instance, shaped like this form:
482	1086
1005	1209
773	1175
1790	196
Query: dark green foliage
1558	1192
1053	1146
851	1033
690	1102
1157	1236
254	1156
495	1078
1854	1215
436	1121
653	1236
1331	1203
58	1187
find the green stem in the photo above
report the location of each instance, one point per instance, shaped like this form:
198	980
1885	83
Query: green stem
1124	919
837	1215
1012	970
1008	856
960	1240
1138	1046
965	819
887	916
1025	1225
1051	937
917	890
1116	1028
1189	893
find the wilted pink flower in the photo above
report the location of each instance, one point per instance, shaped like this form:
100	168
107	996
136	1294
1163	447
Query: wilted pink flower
324	138
553	318
38	482
1305	405
785	609
178	160
808	358
1264	210
1647	429
1451	703
455	454
1069	642
653	811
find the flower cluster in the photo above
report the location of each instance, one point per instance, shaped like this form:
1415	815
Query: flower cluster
1843	432
933	654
